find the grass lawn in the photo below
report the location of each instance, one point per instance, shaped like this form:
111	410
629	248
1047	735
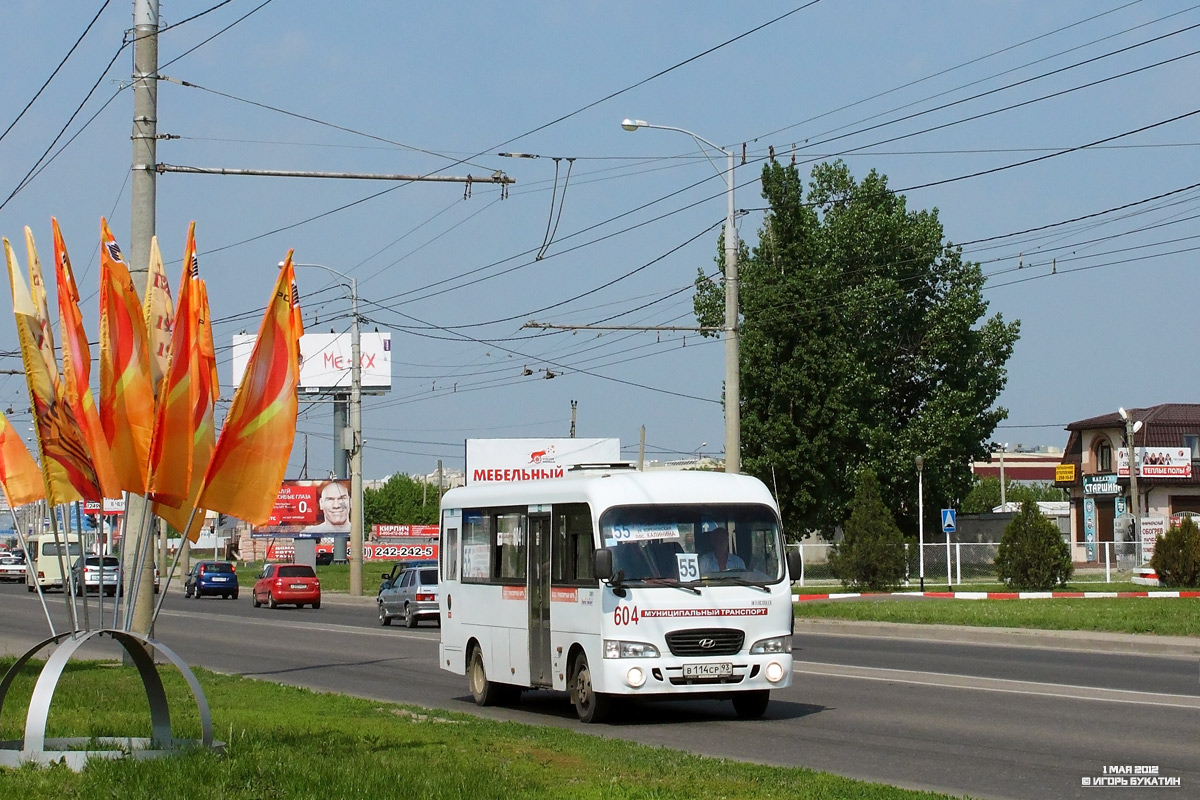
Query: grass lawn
284	742
1166	616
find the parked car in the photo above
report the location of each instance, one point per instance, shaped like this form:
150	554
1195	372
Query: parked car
414	597
88	577
12	569
287	584
390	578
211	577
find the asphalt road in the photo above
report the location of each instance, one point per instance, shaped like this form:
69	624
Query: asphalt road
992	714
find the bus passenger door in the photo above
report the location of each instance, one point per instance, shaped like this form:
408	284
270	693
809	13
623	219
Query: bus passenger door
540	672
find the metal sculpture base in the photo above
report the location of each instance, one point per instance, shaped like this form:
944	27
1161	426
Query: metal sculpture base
74	752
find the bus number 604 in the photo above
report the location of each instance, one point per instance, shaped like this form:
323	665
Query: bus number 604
625	615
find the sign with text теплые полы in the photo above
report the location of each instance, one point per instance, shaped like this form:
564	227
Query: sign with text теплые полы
1157	462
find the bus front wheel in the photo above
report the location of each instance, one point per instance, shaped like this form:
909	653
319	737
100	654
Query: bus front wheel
751	705
483	691
590	705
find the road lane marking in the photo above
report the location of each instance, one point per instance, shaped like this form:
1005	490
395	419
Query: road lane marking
1005	685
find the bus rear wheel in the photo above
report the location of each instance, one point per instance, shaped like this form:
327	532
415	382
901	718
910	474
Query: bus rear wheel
590	705
751	705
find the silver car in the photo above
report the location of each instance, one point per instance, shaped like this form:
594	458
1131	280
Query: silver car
92	578
413	598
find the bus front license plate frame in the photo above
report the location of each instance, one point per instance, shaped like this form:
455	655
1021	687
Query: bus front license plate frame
721	670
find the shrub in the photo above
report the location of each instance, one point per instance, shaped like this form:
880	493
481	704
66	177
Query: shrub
1176	559
1032	553
871	554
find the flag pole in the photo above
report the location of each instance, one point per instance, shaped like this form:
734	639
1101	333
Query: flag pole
62	568
144	542
29	569
184	542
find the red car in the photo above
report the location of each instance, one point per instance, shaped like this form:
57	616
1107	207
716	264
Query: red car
287	584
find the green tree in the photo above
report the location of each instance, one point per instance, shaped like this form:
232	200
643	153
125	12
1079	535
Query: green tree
861	346
400	501
985	494
871	554
1032	553
1176	559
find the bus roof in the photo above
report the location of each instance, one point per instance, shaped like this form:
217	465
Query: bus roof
617	487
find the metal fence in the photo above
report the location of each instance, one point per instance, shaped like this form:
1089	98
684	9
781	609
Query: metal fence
973	562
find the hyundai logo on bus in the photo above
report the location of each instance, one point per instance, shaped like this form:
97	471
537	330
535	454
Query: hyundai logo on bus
708	644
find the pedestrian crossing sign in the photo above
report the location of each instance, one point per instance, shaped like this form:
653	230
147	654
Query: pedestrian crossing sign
949	520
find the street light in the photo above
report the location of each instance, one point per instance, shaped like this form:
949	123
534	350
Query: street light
733	391
1131	428
921	518
355	445
1003	504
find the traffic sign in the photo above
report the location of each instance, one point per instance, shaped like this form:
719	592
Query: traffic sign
949	520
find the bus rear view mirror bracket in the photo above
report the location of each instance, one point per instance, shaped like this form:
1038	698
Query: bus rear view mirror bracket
602	565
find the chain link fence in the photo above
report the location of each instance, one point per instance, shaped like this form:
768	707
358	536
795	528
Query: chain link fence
975	562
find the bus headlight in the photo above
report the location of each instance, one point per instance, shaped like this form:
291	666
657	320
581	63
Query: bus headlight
635	677
777	644
617	648
774	672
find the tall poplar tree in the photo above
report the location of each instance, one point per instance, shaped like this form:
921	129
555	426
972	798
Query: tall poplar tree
863	345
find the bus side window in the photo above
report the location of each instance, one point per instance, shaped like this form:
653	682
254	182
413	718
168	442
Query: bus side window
510	546
449	555
573	544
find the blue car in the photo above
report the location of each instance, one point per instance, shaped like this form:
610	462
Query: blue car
213	578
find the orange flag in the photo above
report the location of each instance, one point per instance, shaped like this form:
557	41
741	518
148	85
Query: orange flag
126	395
159	312
37	289
252	452
171	446
206	394
66	463
19	473
75	388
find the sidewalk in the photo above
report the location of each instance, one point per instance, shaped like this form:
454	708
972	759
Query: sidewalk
1092	641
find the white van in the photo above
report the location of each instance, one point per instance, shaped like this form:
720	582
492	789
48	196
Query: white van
47	566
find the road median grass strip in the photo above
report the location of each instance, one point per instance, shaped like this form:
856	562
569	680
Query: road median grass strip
284	741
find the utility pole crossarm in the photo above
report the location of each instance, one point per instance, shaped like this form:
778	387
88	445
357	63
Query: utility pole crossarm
551	326
496	177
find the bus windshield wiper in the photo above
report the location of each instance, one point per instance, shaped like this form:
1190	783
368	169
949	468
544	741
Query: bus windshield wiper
672	582
739	581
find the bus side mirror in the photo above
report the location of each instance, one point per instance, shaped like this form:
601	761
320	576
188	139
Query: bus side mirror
602	563
795	564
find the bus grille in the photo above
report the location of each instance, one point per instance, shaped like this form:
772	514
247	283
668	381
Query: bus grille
724	642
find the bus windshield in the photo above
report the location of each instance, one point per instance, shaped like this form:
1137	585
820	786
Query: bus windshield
719	543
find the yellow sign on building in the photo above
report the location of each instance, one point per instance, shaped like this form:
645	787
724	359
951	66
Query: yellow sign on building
1064	473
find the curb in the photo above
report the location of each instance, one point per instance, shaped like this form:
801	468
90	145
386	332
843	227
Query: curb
804	598
1142	644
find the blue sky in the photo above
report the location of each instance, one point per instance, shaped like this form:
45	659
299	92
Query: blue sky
442	88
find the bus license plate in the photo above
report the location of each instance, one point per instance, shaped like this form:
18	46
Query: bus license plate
723	670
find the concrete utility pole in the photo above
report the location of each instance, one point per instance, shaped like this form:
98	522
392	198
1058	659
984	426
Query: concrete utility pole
141	230
1132	427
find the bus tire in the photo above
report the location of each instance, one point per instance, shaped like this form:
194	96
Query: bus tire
483	691
751	705
590	705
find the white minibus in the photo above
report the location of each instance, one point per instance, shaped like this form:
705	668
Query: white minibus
611	583
45	550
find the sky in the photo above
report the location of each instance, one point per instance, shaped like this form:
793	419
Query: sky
1004	116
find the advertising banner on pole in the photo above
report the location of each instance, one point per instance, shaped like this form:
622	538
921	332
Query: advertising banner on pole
1157	462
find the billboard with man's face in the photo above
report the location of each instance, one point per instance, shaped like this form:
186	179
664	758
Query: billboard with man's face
309	508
